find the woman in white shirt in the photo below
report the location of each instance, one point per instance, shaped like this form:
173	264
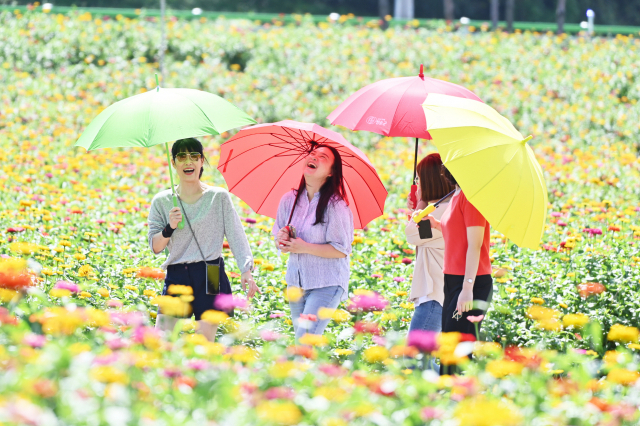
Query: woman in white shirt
427	286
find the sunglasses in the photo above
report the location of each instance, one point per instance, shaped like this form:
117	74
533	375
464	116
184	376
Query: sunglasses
416	180
181	157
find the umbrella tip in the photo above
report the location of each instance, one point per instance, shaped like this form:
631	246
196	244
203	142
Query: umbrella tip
527	139
421	75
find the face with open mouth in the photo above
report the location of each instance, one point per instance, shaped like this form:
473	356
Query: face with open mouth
318	163
188	165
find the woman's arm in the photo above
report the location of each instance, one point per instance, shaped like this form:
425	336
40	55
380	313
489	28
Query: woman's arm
475	237
320	250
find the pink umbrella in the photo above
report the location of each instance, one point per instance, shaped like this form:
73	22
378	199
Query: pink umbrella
393	107
263	162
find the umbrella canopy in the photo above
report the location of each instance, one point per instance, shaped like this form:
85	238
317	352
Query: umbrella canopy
391	107
160	116
262	163
493	164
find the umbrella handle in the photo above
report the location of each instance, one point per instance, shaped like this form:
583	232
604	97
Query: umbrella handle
424	212
175	198
413	195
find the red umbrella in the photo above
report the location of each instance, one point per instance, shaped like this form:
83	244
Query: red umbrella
261	163
393	107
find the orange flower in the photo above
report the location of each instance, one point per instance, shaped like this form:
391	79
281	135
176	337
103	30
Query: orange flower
587	289
153	273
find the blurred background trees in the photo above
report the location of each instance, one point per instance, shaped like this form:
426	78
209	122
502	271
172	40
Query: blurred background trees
609	12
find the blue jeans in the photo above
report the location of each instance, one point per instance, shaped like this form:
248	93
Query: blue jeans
310	302
427	316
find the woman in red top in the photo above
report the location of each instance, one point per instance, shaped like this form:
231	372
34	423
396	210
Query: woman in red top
468	285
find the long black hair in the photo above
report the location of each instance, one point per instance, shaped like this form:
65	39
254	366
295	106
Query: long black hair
333	187
188	145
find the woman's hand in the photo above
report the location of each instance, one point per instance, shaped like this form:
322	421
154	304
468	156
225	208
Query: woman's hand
247	278
435	223
297	245
175	217
281	236
465	301
410	204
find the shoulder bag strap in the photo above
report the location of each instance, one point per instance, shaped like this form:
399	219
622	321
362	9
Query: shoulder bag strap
191	229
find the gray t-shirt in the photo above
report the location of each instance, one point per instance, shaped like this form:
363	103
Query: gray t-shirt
212	218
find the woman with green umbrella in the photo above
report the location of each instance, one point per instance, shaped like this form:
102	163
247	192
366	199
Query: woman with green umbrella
210	216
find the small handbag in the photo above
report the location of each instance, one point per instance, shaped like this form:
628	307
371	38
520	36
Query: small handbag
212	286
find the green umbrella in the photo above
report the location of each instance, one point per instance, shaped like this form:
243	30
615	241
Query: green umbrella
160	116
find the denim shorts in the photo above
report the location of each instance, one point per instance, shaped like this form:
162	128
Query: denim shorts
194	275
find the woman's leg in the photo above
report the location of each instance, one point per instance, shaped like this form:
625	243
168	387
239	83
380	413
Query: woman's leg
208	330
325	297
166	323
297	308
427	316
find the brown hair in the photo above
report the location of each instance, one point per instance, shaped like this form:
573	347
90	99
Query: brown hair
433	185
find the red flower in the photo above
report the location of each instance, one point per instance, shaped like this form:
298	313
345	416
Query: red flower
614	228
407	261
364	327
587	289
16	229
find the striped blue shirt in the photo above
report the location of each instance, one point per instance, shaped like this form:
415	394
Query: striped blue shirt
309	271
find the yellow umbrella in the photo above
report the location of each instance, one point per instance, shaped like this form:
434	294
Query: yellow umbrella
493	164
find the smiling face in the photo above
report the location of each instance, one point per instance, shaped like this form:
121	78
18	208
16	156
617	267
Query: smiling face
318	164
188	165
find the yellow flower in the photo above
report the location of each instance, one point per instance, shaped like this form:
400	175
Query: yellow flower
149	293
343	352
563	305
511	290
332	393
85	270
281	413
78	348
537	300
549	324
23	247
293	294
79	256
268	267
103	292
179	289
375	354
84	295
334	421
58	321
623	376
480	411
60	292
7	295
623	334
172	306
281	370
575	320
370	242
502	367
314	340
214	317
108	374
541	313
358	240
634	346
401	293
131	287
97	317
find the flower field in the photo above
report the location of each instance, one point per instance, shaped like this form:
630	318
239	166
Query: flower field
79	285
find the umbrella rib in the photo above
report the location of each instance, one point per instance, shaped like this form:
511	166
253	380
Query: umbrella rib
511	203
398	106
531	212
369	186
282	154
355	205
276	182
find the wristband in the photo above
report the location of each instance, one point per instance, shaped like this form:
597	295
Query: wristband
167	231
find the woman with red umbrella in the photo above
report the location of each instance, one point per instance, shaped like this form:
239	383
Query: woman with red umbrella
315	225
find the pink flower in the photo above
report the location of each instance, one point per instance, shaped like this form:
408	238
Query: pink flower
117	343
429	413
113	303
556	214
279	392
66	285
423	340
398	279
228	302
134	319
561	223
249	220
473	318
364	327
34	340
140	333
276	315
367	303
333	370
198	364
376	276
379	340
270	336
